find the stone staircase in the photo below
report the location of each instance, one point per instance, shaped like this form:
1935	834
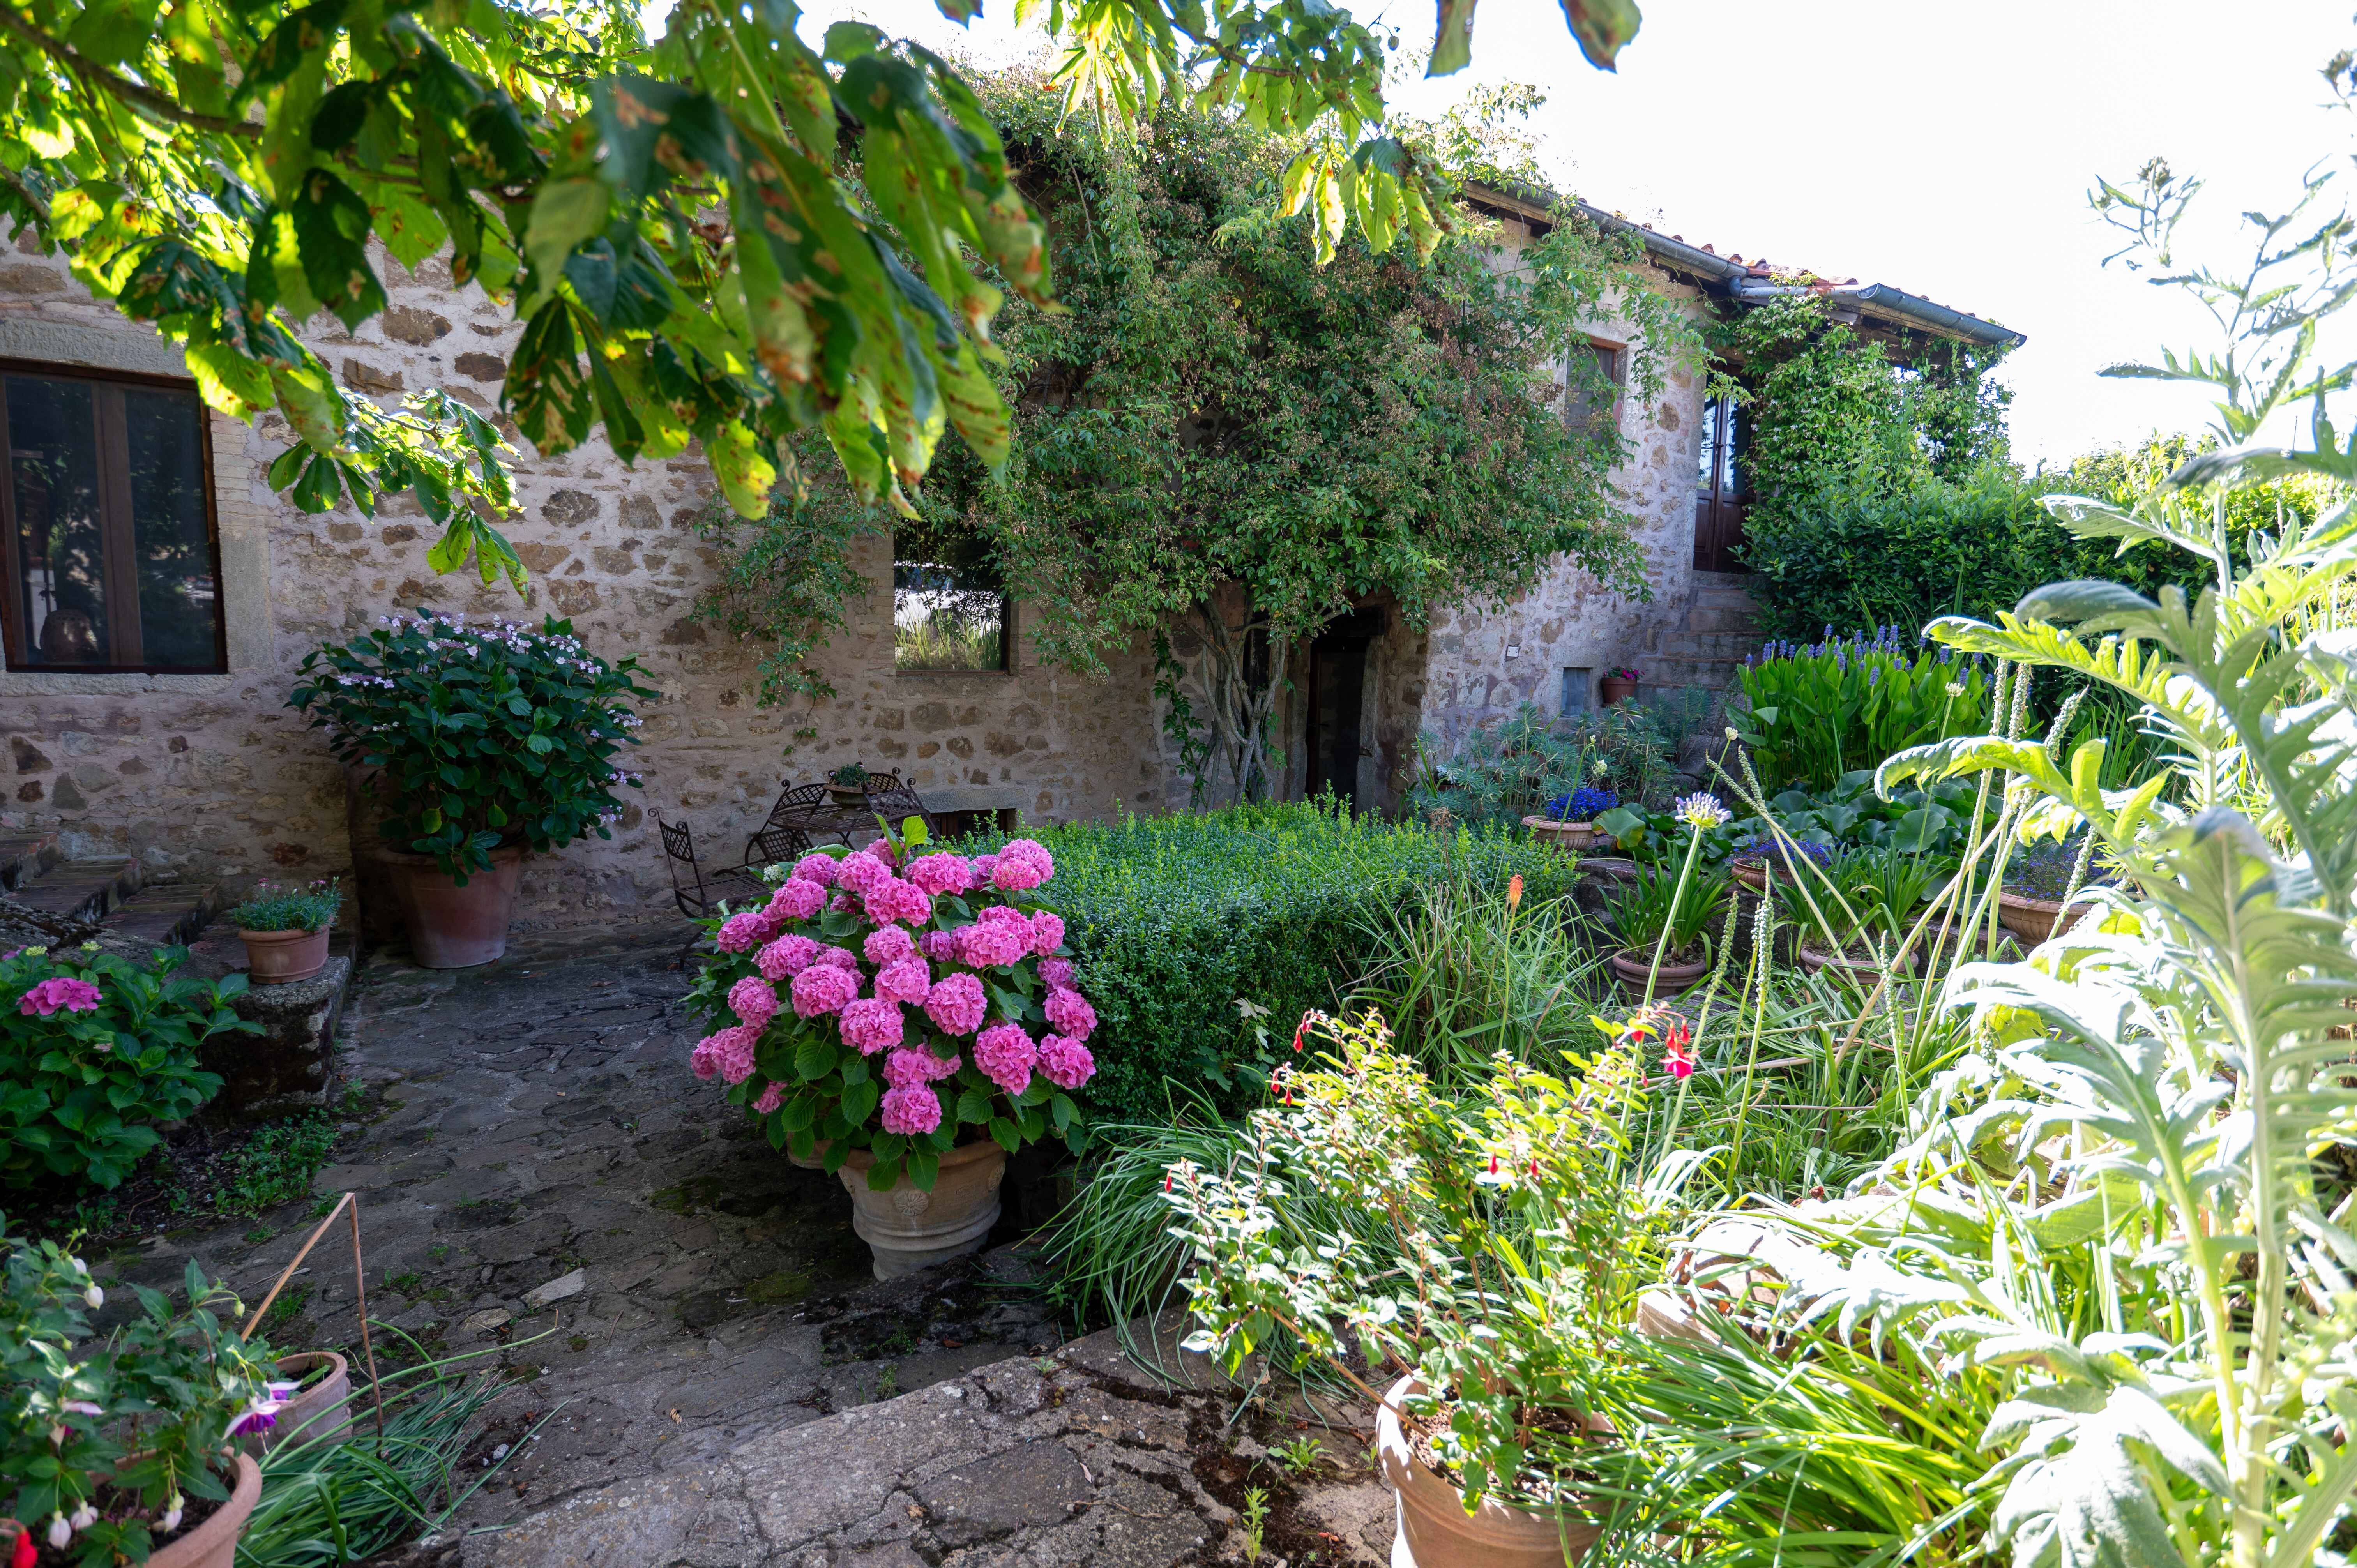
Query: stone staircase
112	895
1702	647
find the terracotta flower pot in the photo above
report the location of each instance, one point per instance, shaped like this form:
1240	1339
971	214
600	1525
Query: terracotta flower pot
1616	691
907	1228
319	1414
281	958
1562	835
1751	873
1632	966
1865	971
452	927
213	1542
2034	920
1431	1529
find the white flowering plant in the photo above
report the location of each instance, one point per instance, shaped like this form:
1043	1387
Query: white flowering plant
109	1449
478	738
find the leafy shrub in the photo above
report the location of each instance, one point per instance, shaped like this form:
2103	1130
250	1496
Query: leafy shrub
94	1049
1814	712
476	737
1507	772
270	908
1173	922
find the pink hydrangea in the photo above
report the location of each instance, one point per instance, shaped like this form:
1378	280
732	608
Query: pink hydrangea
821	988
1046	932
1067	1062
888	944
752	1000
743	933
1056	971
956	1005
883	849
771	1097
704	1061
59	990
734	1051
1004	915
1023	864
861	874
838	958
1070	1012
988	943
786	957
815	868
910	1111
871	1025
939	946
1006	1056
796	900
904	979
984	865
915	1064
894	899
941	874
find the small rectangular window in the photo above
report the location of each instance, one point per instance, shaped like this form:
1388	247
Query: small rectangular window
949	608
1593	376
1576	685
106	525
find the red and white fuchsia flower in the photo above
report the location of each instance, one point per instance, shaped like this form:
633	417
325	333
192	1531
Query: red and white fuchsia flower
899	1011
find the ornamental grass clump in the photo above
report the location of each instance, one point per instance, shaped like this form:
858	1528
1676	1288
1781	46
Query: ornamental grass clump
475	738
889	1000
273	907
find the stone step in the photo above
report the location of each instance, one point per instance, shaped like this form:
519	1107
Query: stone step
24	856
1718	596
1702	618
81	889
170	914
1729	647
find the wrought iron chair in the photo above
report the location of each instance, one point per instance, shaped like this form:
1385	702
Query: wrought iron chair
701	889
775	842
896	802
803	808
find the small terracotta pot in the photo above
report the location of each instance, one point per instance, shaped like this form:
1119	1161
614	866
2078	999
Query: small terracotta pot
907	1228
2034	920
321	1412
452	927
1632	966
1615	690
213	1543
1562	835
1865	971
1430	1528
281	958
1751	873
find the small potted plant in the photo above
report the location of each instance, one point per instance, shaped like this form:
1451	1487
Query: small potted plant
286	929
1619	684
1883	889
906	1020
2037	875
1659	913
477	743
125	1449
1570	822
847	785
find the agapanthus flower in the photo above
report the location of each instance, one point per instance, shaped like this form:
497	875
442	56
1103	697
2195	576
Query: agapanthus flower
752	1000
956	1005
59	990
872	1024
796	899
904	979
861	874
743	933
917	1064
815	868
1006	1056
1070	1012
1702	811
941	874
1023	864
1066	1061
821	988
786	957
771	1097
986	944
734	1053
894	899
1046	932
909	1111
1056	971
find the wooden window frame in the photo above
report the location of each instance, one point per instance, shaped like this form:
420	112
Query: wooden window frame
1620	402
122	633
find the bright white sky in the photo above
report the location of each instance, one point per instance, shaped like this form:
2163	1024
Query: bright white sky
1944	150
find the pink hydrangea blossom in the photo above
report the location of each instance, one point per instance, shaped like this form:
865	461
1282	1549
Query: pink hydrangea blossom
1046	932
988	943
821	988
910	1111
1006	1056
1070	1012
732	1050
882	849
796	900
939	946
815	868
888	944
904	979
894	899
917	1064
771	1097
59	990
1056	971
743	933
704	1061
786	957
861	874
838	958
956	1005
1067	1062
1003	914
1023	864
941	874
871	1025
752	1000
984	865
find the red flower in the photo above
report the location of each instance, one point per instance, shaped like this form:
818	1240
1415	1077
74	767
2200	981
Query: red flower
1301	1028
1494	1164
25	1554
1515	891
1676	1052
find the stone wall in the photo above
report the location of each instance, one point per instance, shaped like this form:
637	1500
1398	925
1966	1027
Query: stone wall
212	777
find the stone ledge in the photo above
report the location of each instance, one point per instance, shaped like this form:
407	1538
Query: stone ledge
290	1066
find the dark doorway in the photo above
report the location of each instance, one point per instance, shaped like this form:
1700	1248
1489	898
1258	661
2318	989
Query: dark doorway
1338	703
1722	487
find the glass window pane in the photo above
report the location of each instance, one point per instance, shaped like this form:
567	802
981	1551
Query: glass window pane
180	603
1706	467
948	614
60	587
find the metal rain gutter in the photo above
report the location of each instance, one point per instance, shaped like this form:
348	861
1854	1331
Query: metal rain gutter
1881	299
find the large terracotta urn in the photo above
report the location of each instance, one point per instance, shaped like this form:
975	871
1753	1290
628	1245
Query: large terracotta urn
211	1543
907	1228
452	927
1431	1529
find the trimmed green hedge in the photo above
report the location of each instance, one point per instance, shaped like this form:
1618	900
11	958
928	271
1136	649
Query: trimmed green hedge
1173	920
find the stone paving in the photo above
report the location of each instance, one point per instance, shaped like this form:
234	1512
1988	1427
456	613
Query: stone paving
543	1182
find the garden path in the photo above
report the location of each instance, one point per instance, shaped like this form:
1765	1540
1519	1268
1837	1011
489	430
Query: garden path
542	1182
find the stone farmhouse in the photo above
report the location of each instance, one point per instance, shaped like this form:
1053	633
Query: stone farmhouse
154	609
